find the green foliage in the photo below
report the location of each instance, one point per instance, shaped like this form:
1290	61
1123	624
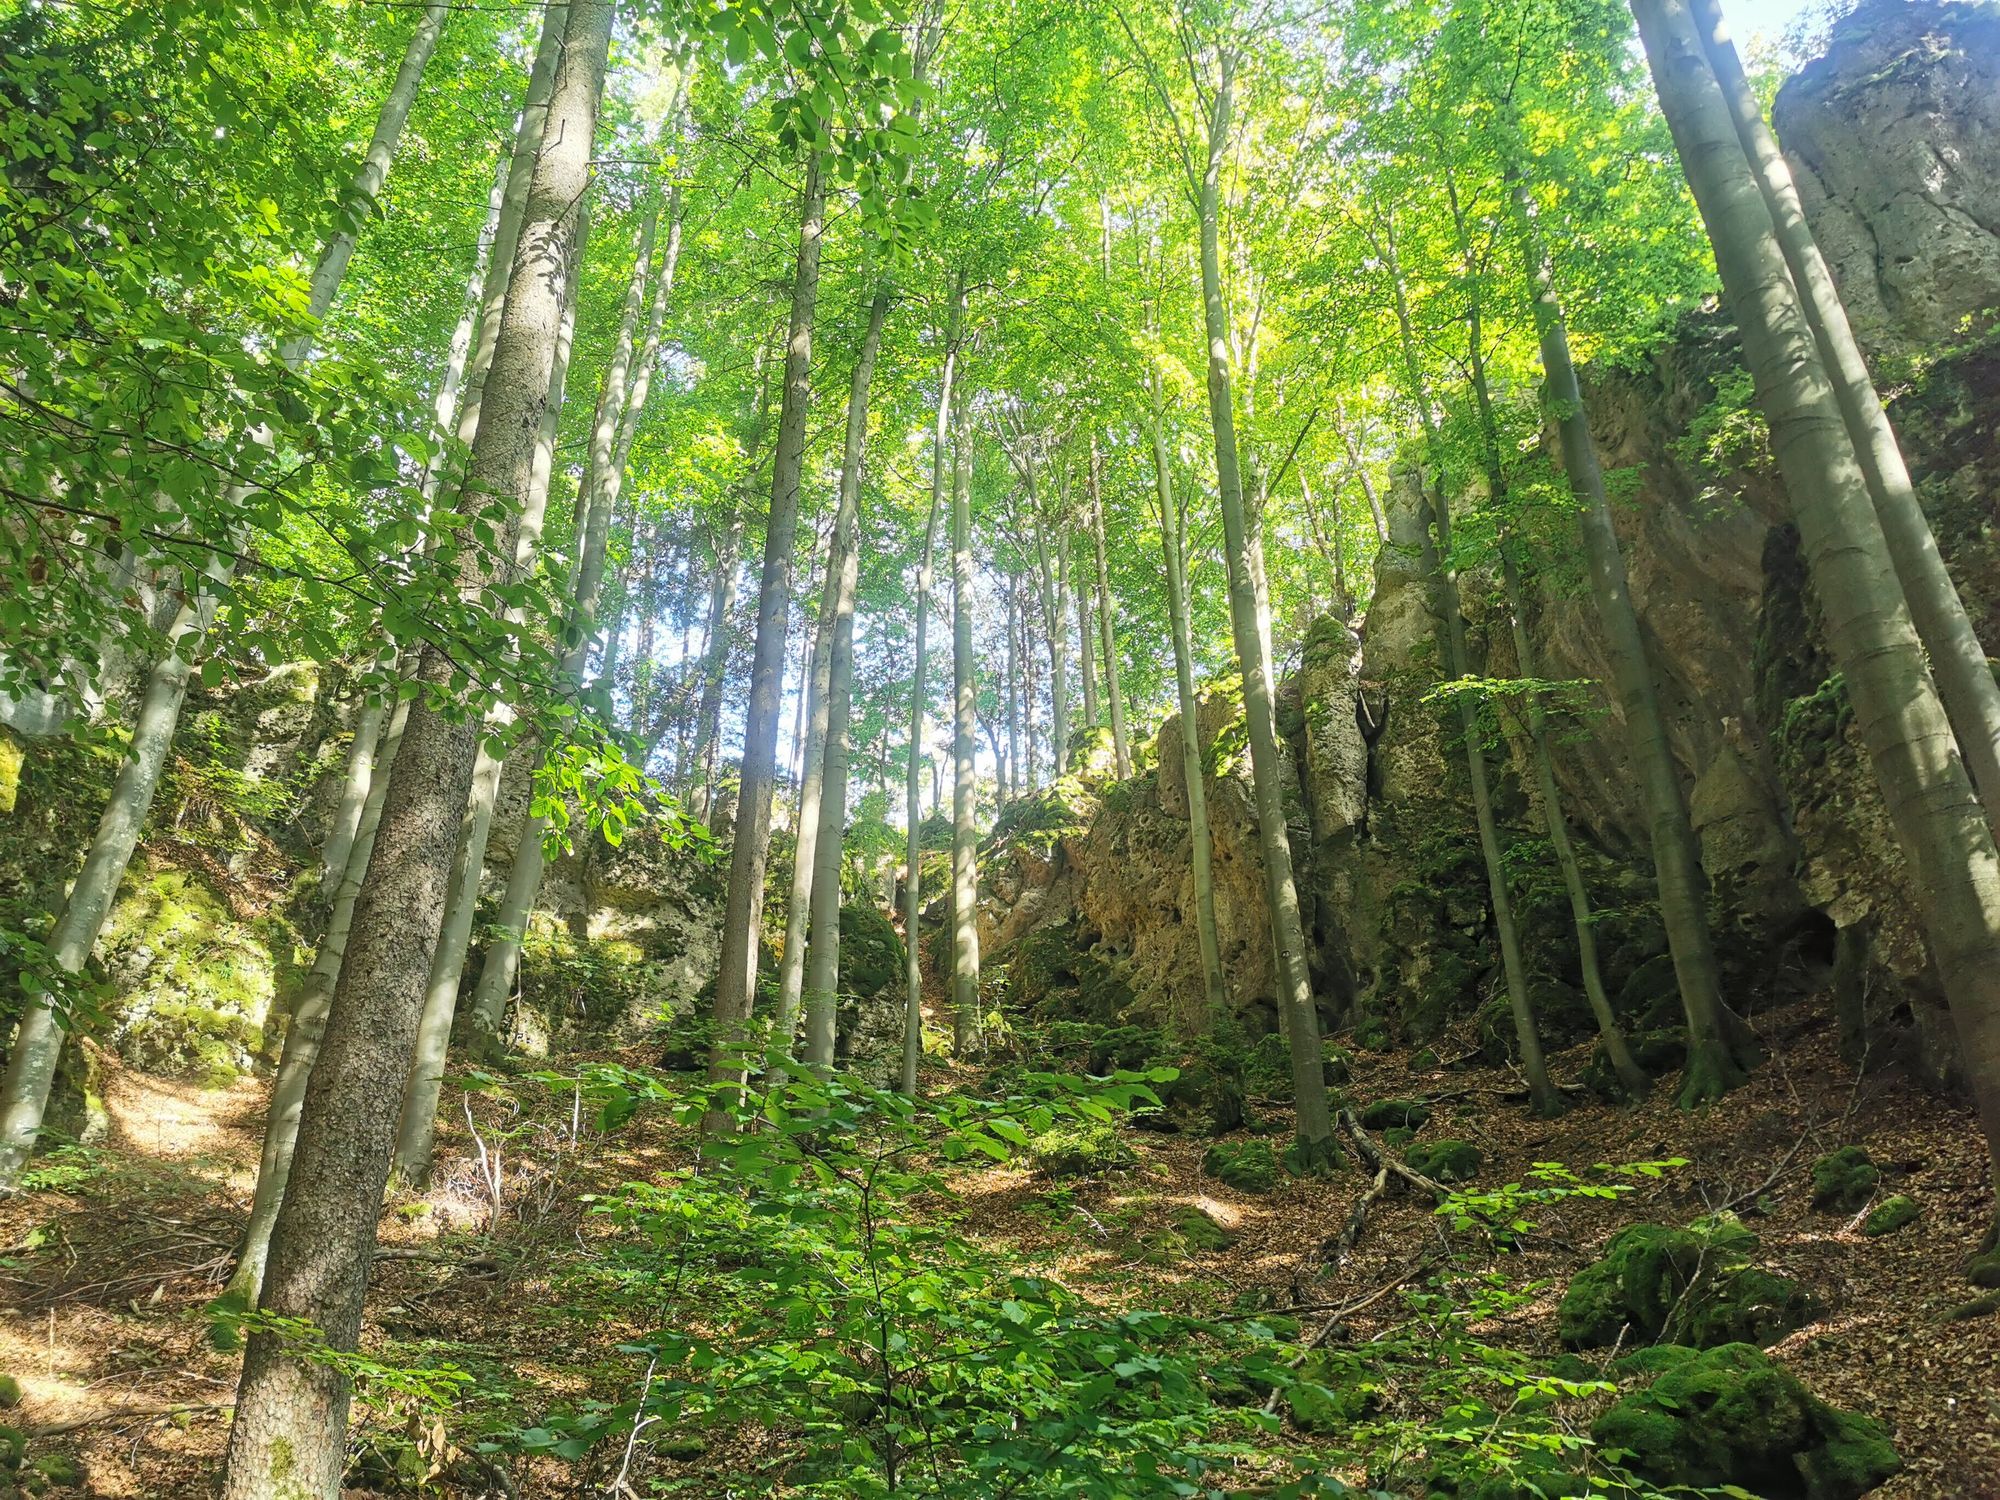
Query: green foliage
1087	1148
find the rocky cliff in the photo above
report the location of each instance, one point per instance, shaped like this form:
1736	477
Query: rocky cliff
1895	136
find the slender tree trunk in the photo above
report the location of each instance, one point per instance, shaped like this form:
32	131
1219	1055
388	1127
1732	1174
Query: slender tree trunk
1676	854
416	1129
817	709
913	906
1121	747
1215	996
1086	647
1939	824
964	832
1015	782
303	1037
1314	1124
1053	610
288	1438
1368	490
736	971
843	575
1438	566
1616	1051
38	1038
1964	677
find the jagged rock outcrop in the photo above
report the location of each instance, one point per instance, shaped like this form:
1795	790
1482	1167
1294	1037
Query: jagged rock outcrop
1896	137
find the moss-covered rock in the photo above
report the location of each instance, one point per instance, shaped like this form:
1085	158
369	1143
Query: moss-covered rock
13	1448
1446	1160
1123	1047
1054	973
1844	1180
1398	1135
1384	1113
871	951
1194	1231
1890	1215
1247	1166
1732	1415
10	1393
1984	1269
1080	1148
1691	1286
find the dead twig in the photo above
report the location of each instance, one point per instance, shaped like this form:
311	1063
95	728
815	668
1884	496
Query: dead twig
1379	1159
127	1414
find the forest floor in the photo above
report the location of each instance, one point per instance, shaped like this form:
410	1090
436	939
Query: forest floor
109	1262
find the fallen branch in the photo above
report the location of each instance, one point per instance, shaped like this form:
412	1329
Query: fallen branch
127	1414
1379	1159
1337	1249
436	1258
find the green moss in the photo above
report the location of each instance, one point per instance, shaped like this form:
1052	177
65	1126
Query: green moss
1692	1286
680	1449
1398	1135
60	1470
1055	974
1983	1306
1088	1148
1383	1113
1247	1166
1732	1415
1127	1047
1656	1359
1890	1215
1446	1160
13	1447
872	958
1984	1270
1844	1180
1193	1232
10	1393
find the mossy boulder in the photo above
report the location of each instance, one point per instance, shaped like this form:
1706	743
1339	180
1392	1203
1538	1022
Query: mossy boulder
1446	1160
871	951
1054	973
13	1448
1690	1286
1733	1415
1207	1096
1890	1215
1123	1047
10	1393
1984	1269
1194	1231
1844	1180
1399	1135
1080	1148
1247	1166
1384	1114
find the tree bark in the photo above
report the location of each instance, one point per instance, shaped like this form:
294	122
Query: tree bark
1676	855
1964	677
1939	824
1301	1017
913	791
736	971
1437	563
965	728
288	1438
1121	747
1215	995
843	575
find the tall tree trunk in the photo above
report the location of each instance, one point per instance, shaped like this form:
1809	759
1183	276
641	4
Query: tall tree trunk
843	575
1121	747
524	876
913	906
38	1038
816	709
1215	996
1016	784
1301	1017
288	1439
1676	855
1964	677
736	970
302	1040
1437	563
1054	607
964	832
1086	648
1939	824
417	1126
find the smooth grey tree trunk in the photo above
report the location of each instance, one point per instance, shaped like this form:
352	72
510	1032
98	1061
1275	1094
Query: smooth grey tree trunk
913	786
38	1038
1215	994
1121	747
1964	677
303	1037
1676	854
822	976
1086	650
815	709
965	728
1939	824
416	1127
1314	1124
524	876
288	1439
1436	561
736	968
